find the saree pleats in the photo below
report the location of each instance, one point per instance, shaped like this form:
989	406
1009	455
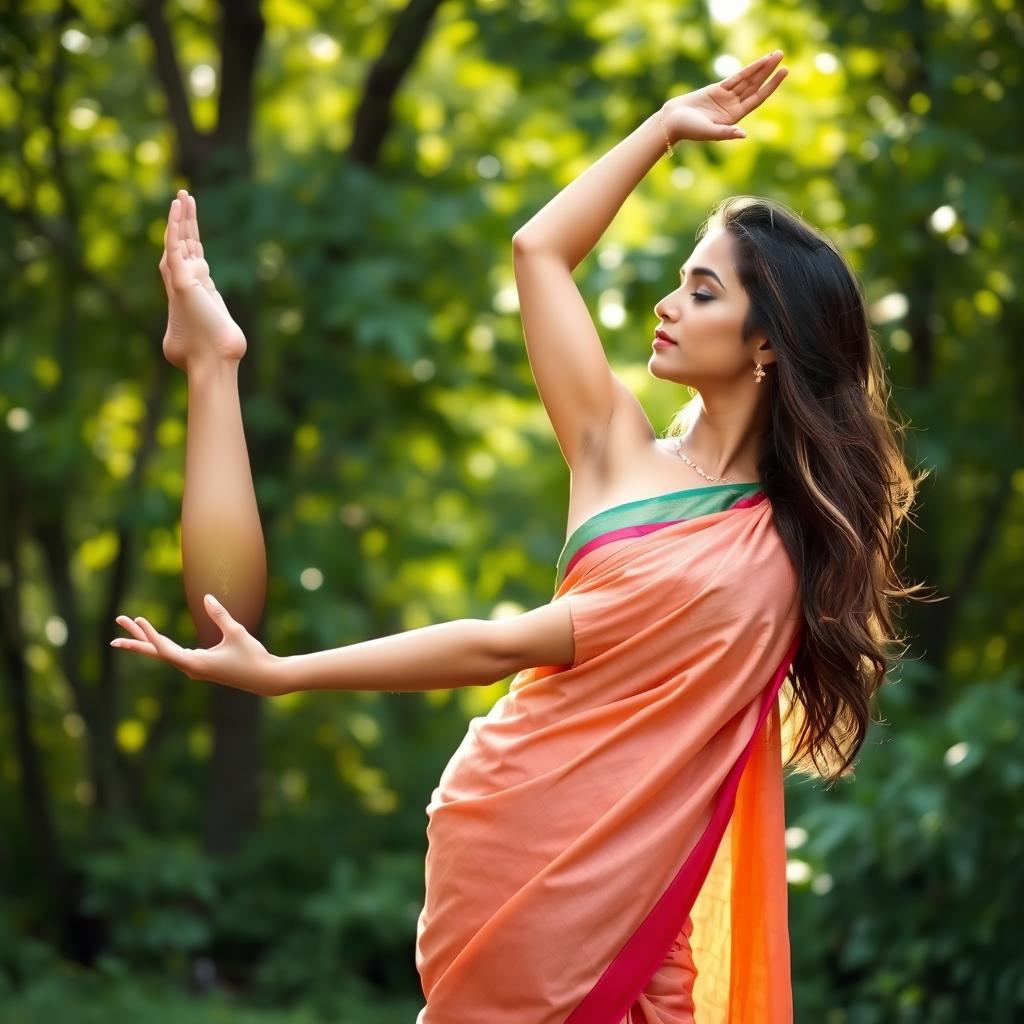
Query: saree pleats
606	844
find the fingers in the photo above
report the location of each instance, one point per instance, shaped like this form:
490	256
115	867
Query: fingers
160	643
749	79
763	94
729	131
754	99
150	642
141	644
750	92
130	625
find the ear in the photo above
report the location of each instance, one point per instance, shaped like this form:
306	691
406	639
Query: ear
763	351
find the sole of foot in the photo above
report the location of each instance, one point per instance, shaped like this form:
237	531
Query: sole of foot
200	329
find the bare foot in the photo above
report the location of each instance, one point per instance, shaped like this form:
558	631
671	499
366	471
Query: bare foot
199	327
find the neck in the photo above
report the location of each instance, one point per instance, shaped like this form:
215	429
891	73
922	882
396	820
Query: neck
725	435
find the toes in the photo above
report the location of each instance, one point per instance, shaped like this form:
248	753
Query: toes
192	227
176	248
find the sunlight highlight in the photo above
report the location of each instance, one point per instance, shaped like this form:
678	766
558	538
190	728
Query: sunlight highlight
725	12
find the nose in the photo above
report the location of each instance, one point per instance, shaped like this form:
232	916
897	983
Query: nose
662	310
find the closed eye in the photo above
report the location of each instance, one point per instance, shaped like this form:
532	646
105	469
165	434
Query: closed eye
702	296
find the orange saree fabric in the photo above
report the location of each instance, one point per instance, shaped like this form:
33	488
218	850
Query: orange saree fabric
606	844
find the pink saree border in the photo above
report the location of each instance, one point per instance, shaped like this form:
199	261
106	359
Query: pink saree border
622	982
640	529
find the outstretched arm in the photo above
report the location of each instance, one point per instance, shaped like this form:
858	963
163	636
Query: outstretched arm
463	652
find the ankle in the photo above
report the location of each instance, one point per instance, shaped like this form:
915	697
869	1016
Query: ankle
211	367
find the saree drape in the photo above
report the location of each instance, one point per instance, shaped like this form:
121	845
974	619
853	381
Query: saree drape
606	845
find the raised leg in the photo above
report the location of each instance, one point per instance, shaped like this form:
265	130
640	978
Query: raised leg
223	550
222	545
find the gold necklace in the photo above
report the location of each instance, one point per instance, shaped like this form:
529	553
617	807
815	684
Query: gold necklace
693	465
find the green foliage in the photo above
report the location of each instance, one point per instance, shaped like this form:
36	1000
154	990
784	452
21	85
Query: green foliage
406	474
908	884
116	991
321	930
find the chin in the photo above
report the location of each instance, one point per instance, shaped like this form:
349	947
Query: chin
661	372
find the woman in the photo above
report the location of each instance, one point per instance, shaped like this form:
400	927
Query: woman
606	845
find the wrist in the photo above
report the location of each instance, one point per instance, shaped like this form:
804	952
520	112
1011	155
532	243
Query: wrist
661	116
277	677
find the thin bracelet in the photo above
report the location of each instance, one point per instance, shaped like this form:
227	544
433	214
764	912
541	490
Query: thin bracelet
668	145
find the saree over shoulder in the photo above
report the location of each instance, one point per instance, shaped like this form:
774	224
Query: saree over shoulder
606	844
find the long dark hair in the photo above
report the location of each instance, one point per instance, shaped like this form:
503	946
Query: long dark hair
832	464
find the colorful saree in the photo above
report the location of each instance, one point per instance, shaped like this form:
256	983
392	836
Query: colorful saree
606	844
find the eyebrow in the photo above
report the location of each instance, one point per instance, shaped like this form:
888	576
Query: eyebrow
703	272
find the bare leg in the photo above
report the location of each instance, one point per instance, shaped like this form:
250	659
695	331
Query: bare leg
222	544
223	551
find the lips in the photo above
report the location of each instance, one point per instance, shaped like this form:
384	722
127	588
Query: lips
659	333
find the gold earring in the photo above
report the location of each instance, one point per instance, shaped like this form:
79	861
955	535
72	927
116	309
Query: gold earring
759	373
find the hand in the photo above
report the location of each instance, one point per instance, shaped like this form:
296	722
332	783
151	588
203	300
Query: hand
709	114
239	660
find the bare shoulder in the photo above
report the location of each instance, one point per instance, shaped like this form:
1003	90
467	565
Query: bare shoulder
541	636
625	463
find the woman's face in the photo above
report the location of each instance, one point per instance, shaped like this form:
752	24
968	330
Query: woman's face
704	315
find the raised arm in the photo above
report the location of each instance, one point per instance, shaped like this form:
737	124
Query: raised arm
577	386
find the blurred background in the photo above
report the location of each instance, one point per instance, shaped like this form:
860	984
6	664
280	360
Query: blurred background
172	850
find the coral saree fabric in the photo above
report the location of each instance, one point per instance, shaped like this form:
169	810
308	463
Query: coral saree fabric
606	844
